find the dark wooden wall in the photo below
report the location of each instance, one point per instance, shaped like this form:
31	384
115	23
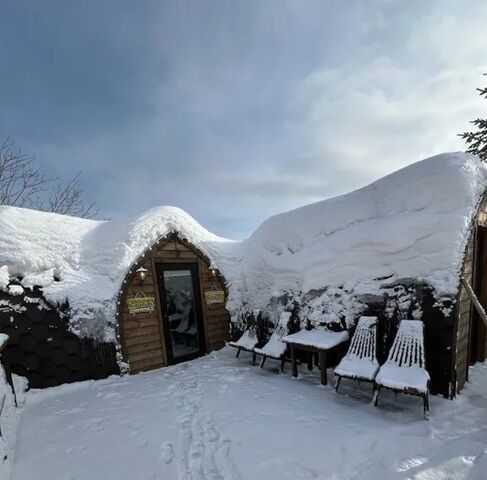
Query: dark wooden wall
141	335
469	329
42	349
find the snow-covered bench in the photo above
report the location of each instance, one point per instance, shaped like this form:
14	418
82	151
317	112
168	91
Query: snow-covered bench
275	348
360	362
249	339
404	370
317	340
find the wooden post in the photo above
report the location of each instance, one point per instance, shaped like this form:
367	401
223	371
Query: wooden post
310	360
475	301
293	360
324	379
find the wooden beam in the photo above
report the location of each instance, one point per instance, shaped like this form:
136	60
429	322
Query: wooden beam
475	300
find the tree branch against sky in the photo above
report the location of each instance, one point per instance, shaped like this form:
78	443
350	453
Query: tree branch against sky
23	184
477	140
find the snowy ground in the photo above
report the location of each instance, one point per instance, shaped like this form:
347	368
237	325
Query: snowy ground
221	418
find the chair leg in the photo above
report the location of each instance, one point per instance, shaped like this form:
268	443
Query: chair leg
254	356
263	361
376	396
283	362
238	353
426	406
339	379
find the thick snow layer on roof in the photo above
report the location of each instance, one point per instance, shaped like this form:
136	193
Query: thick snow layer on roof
85	261
412	224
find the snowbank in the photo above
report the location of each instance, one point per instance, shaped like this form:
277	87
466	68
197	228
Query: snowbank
412	224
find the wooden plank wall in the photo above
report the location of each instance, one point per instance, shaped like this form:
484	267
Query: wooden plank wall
465	310
463	321
142	335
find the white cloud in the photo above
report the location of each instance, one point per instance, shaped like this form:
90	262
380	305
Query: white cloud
372	116
244	109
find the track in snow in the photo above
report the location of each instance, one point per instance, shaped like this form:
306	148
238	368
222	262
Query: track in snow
202	454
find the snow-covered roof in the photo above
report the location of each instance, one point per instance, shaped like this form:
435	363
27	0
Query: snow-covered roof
413	223
85	261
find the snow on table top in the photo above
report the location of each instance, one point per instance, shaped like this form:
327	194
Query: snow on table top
317	337
413	223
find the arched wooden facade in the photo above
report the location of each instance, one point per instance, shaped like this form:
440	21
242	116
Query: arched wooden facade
144	336
471	334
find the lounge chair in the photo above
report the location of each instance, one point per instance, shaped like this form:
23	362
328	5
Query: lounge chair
275	348
249	339
404	370
360	363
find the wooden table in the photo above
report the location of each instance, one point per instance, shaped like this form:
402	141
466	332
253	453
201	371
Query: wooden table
317	340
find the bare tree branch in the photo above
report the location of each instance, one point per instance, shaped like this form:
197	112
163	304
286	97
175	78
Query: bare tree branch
22	184
20	180
68	199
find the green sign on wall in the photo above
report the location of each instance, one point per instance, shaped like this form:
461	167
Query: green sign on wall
141	305
214	296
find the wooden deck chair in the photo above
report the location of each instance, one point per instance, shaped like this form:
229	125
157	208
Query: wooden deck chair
404	370
360	363
249	339
275	348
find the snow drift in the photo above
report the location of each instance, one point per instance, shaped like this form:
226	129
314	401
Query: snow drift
412	224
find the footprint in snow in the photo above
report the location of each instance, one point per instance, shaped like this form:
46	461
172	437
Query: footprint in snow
410	463
212	435
478	400
224	449
166	453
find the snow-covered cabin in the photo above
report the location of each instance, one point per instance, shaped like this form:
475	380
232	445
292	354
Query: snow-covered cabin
83	298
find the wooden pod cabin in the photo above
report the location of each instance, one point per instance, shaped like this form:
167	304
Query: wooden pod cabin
172	307
470	342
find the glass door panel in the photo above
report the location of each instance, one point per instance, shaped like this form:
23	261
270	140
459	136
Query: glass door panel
181	311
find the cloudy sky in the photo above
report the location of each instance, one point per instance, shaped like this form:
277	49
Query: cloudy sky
236	109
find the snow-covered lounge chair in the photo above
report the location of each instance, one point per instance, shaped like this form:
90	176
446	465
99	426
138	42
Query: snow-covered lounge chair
275	348
249	339
360	362
404	370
